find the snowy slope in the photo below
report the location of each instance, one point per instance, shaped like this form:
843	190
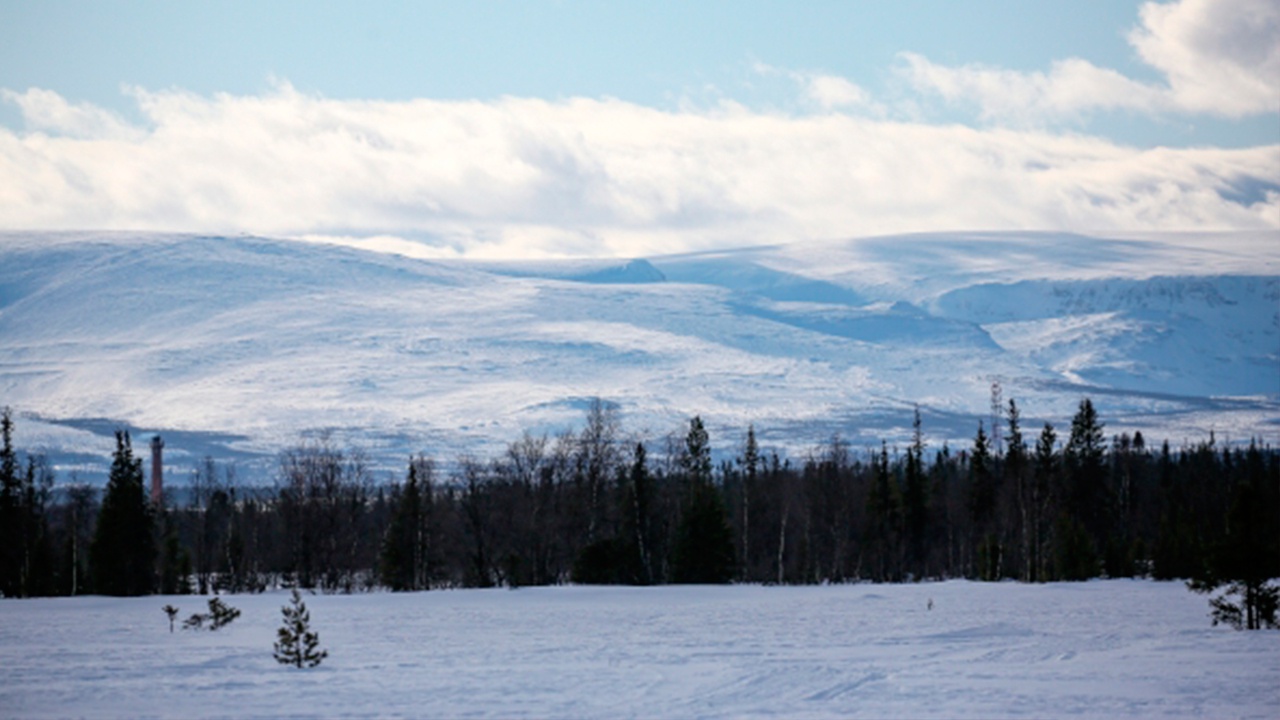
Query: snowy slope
1110	649
238	346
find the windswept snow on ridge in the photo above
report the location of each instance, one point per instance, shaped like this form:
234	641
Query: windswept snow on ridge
250	343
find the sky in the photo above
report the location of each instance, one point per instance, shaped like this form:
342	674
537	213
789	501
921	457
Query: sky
566	128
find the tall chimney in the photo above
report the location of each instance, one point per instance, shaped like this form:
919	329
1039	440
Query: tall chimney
157	471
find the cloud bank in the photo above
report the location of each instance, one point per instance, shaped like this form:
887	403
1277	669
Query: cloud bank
529	177
1218	57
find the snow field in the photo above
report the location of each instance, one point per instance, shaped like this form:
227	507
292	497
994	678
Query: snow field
1097	649
240	347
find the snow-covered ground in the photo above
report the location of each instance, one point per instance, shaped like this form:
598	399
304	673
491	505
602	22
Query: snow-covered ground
1100	649
237	347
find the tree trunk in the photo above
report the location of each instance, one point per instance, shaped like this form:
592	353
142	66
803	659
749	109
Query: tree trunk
782	548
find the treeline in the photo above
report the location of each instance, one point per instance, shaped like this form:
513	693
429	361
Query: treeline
595	507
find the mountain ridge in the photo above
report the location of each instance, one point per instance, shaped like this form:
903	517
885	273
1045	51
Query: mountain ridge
260	342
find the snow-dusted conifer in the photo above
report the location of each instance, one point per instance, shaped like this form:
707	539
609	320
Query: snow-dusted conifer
297	644
220	615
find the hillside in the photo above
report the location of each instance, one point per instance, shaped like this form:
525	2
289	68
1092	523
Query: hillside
239	346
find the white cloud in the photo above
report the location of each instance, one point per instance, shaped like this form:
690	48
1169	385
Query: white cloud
830	91
47	111
824	91
1070	89
590	177
1219	57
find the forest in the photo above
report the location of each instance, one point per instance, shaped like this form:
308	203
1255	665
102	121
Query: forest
593	506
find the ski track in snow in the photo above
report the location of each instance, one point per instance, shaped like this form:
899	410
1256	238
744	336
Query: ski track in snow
1097	649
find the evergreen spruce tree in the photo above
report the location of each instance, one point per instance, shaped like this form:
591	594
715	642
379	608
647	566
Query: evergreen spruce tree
704	541
123	554
1044	485
10	511
1084	524
1176	553
1075	556
1078	525
884	520
750	463
915	499
404	550
697	455
220	615
31	541
42	556
296	643
1015	467
637	517
175	561
703	551
983	491
1246	560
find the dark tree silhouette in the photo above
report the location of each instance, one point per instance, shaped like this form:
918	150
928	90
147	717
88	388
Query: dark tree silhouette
1084	526
884	520
984	489
915	500
703	551
1248	557
11	520
406	562
1204	511
122	557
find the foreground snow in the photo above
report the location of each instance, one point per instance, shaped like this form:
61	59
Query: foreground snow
1099	649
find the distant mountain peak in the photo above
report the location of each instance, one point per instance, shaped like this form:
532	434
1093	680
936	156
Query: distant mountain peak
634	271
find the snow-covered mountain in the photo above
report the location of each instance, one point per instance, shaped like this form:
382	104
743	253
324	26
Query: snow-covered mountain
239	346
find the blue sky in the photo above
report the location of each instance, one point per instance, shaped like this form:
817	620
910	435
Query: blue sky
637	51
657	54
1073	79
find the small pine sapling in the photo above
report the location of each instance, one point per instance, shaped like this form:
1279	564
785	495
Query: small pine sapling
297	644
172	612
1242	605
220	615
